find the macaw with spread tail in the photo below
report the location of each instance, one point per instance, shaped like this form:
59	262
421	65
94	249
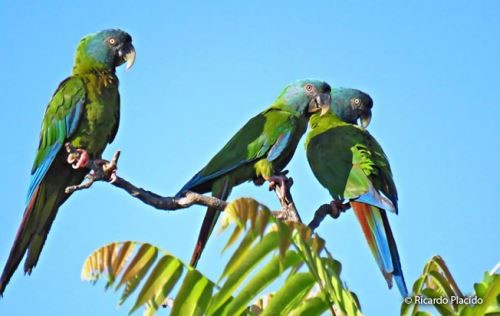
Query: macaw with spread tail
260	150
84	111
352	166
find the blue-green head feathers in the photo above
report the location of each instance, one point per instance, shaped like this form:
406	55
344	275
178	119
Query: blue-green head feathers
103	51
304	97
351	105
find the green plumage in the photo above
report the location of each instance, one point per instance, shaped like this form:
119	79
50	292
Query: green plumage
244	157
352	166
346	159
84	110
260	149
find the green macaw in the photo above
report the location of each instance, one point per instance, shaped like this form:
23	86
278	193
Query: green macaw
260	149
351	164
84	110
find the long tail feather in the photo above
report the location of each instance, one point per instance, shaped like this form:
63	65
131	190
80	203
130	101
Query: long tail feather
20	245
30	237
379	236
398	271
38	217
211	217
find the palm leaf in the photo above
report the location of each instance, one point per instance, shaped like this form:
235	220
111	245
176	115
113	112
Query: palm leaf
265	252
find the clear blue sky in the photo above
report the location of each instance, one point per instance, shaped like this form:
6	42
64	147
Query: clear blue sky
203	69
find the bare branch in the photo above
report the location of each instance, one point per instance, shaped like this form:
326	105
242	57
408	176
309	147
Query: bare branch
334	209
169	203
102	170
319	216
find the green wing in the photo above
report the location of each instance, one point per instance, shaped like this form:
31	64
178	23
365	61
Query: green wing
59	123
350	163
382	176
265	135
50	175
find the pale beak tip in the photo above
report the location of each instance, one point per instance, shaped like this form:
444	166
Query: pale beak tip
365	121
129	65
130	58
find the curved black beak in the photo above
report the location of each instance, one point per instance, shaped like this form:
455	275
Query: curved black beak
365	118
127	54
320	102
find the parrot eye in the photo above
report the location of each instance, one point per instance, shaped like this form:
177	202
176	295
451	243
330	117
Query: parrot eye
356	101
309	87
112	41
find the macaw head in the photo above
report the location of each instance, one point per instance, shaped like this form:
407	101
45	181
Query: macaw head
305	97
352	105
103	51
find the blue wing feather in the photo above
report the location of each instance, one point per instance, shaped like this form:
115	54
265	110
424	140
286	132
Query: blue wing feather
54	137
268	145
198	178
39	173
377	199
279	146
74	117
272	154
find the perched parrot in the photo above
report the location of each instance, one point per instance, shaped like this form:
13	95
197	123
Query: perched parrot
84	110
260	149
350	163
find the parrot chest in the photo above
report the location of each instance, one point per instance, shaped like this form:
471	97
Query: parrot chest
101	114
330	159
341	162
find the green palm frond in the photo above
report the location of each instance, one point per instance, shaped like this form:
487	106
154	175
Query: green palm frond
266	250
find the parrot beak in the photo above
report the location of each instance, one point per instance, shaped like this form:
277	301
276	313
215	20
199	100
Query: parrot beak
127	54
365	118
321	102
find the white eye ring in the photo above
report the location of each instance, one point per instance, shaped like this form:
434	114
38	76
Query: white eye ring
112	41
357	101
309	87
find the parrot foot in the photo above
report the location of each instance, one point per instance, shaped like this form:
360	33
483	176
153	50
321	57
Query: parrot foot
337	207
259	181
281	184
281	181
334	208
104	169
100	169
78	158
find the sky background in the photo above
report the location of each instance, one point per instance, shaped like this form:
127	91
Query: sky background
203	69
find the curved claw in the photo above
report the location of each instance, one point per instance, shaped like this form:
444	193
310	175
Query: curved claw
71	159
79	160
112	176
